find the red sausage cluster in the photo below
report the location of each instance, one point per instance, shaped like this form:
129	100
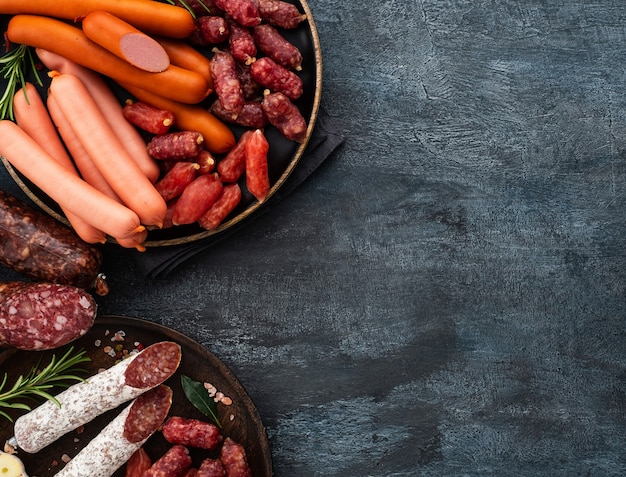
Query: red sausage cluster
184	434
251	58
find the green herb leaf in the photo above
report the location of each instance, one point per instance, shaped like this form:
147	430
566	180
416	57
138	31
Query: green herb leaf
60	372
186	6
199	397
14	66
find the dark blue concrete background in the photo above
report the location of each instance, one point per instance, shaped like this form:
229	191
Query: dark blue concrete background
445	296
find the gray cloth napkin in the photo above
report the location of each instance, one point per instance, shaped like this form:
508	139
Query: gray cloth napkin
158	262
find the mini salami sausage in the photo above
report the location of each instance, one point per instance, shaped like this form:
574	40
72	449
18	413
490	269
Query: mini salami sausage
226	81
176	145
211	468
234	460
213	29
177	178
39	247
122	437
233	165
277	78
191	433
251	89
196	199
224	205
147	117
284	116
241	43
191	472
271	42
245	12
174	463
138	463
257	178
280	13
39	316
250	116
205	161
84	401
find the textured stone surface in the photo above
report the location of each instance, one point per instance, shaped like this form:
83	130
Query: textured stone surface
446	295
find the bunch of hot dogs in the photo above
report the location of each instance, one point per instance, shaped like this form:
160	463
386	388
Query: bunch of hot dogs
100	172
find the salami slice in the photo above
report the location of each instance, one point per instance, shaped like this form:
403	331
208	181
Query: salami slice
122	437
84	401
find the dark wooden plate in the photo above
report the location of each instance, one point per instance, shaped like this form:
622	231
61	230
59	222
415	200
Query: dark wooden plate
283	154
240	420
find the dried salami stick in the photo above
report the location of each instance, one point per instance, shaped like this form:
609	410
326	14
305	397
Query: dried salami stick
124	435
226	81
280	13
84	401
277	78
241	43
234	459
284	116
271	42
179	430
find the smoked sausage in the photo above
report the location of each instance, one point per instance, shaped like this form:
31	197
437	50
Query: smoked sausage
37	246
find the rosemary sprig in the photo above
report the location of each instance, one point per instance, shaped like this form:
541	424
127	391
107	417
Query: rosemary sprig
37	383
185	5
13	68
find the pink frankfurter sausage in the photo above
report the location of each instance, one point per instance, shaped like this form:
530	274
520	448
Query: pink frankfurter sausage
110	107
84	401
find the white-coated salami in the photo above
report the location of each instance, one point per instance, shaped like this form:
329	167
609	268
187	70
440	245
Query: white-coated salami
84	401
119	440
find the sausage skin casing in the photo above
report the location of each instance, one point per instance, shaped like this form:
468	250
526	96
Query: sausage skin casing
84	401
110	449
40	316
37	246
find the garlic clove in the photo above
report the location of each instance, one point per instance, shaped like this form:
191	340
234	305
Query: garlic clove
11	466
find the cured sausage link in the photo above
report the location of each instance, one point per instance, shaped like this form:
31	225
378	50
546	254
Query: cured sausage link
124	435
41	248
84	401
